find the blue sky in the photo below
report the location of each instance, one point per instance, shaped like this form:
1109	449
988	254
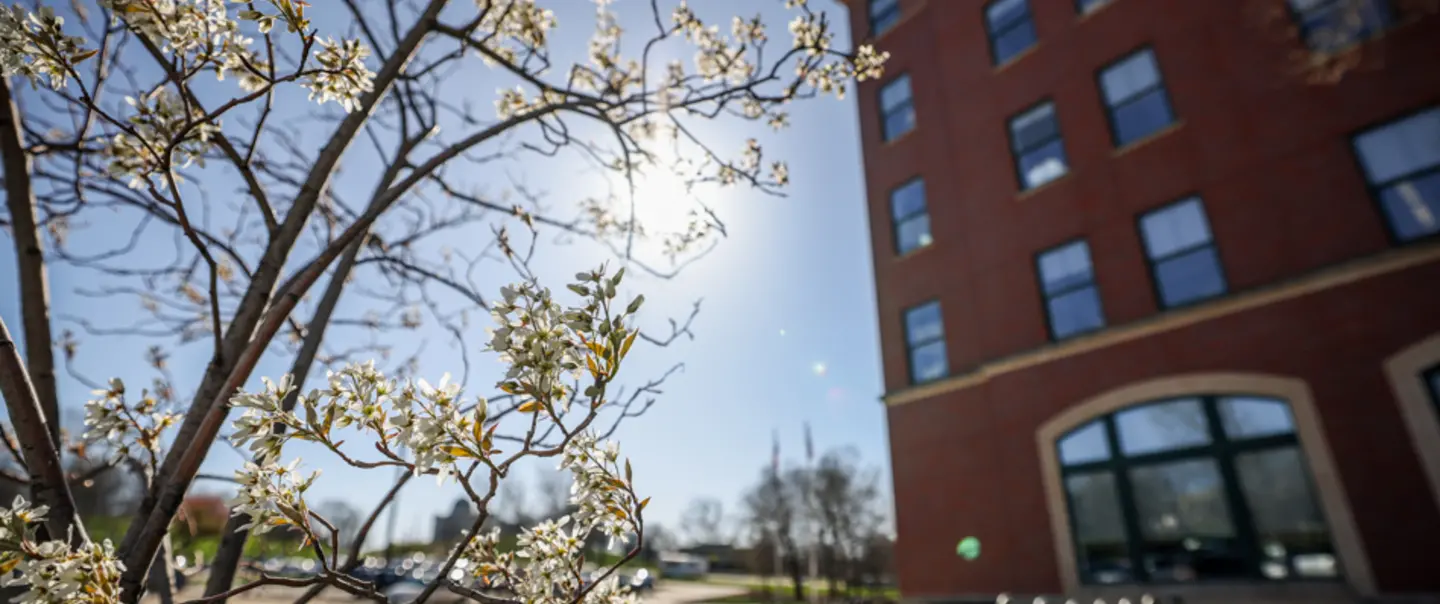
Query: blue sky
787	333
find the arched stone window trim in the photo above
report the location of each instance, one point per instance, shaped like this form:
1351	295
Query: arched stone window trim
1408	371
1329	489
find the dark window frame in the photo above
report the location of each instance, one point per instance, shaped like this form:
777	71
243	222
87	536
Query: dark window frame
992	35
1374	190
895	12
1152	264
911	346
909	104
1221	449
1160	85
896	221
1015	153
1391	17
1046	296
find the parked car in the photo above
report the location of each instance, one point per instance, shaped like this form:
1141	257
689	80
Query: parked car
642	580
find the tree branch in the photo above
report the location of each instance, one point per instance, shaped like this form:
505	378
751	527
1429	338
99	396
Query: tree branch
47	476
30	263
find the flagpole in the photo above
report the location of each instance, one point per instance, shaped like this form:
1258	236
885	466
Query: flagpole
775	478
810	461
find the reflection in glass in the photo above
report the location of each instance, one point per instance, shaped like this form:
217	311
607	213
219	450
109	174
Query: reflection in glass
1175	228
1076	312
1103	552
912	223
1282	504
928	362
1141	117
1129	77
1401	147
1185	522
1413	206
1162	426
1085	444
1251	417
1190	277
1011	30
896	110
923	323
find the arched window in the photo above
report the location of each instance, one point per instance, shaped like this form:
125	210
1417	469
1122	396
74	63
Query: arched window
1197	488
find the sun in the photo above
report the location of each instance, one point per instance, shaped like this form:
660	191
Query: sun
662	203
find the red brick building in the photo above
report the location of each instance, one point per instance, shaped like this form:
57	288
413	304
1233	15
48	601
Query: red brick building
1158	314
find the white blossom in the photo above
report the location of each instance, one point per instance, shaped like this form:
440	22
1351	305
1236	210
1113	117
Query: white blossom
343	76
53	572
34	45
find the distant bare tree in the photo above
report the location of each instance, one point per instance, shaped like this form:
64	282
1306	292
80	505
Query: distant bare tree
774	511
344	517
703	520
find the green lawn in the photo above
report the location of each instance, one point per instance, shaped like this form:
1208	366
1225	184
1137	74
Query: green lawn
761	590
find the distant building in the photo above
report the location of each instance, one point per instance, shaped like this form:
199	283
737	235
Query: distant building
451	528
1158	313
676	565
720	557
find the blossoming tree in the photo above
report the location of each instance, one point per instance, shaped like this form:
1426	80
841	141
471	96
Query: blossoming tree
129	100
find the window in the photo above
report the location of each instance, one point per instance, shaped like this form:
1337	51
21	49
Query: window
1331	25
1183	258
1036	143
1089	6
897	112
1010	27
912	222
1135	97
1067	281
1194	489
1401	161
925	339
884	14
1432	381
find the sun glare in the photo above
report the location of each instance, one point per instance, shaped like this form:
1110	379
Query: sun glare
661	203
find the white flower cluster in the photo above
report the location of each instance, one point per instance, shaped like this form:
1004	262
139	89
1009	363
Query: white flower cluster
34	45
518	26
513	102
545	566
716	57
162	129
273	496
201	31
343	76
600	498
541	341
126	427
52	572
199	35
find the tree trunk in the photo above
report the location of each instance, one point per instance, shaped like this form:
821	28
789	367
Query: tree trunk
162	575
47	475
232	540
30	263
797	574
